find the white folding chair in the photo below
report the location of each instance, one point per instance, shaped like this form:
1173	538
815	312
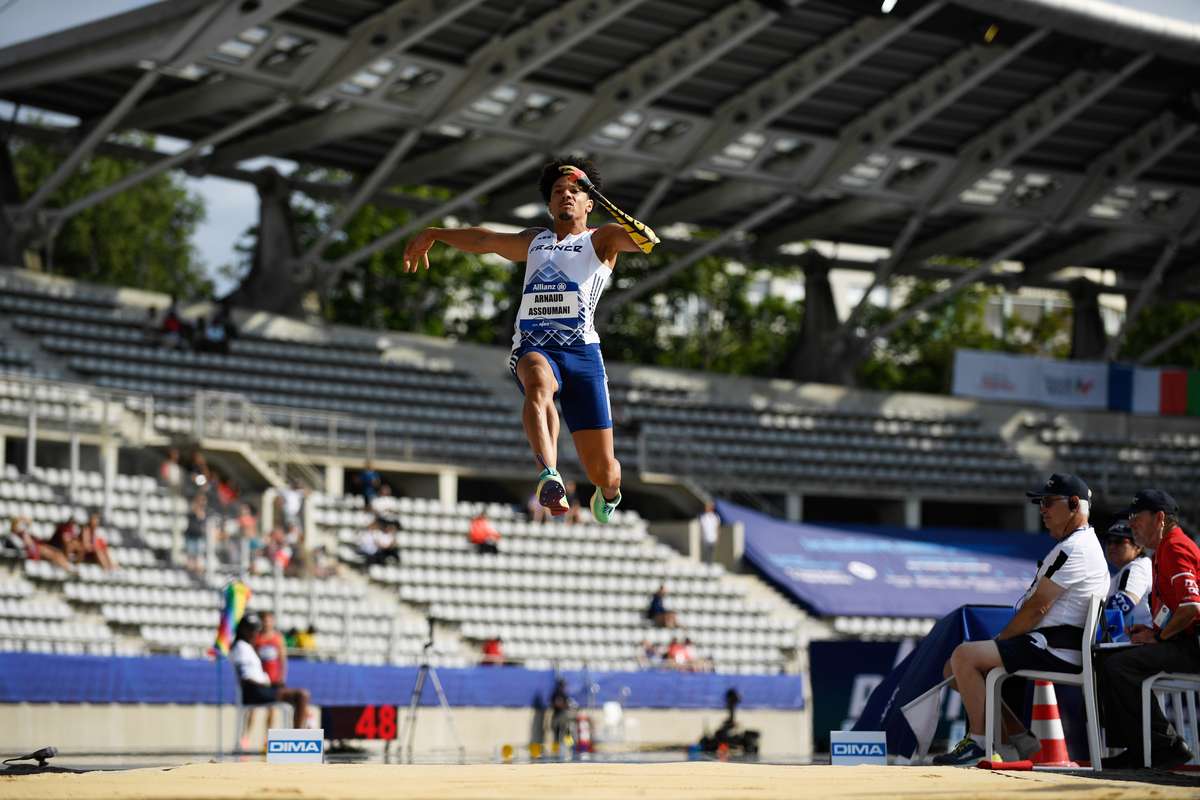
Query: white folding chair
1180	685
1086	680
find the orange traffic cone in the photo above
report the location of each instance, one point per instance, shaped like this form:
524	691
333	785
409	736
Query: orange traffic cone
1047	726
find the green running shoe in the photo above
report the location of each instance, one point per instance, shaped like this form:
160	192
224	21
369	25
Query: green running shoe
551	492
602	509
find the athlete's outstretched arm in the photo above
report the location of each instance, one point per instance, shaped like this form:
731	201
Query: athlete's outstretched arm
637	232
513	246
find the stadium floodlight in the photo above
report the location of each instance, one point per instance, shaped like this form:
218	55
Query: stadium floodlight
887	6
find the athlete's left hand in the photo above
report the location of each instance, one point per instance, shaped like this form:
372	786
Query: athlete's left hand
579	175
417	250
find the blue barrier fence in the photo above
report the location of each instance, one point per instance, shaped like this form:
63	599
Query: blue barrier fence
41	678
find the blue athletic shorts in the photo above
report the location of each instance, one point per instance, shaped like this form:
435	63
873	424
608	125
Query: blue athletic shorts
582	383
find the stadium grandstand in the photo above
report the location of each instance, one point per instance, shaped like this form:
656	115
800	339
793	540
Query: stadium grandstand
1050	148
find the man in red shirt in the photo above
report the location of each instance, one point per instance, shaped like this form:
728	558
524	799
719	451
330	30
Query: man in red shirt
484	535
1169	645
493	652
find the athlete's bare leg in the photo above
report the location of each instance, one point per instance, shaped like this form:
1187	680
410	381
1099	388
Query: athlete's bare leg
595	449
539	415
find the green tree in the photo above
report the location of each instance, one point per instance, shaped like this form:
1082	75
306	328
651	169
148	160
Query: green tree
141	237
919	355
1155	324
714	316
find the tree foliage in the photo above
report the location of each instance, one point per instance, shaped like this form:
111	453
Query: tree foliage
919	355
1155	324
141	237
713	316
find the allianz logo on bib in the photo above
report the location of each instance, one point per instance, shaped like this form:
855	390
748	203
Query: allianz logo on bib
295	747
851	749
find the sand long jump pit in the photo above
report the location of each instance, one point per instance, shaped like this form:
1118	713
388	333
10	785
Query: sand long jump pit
691	780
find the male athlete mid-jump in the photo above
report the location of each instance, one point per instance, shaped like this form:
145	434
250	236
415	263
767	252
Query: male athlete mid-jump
556	350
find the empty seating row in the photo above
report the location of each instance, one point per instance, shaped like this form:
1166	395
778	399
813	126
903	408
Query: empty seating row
285	375
154	577
34	609
15	587
54	630
408	541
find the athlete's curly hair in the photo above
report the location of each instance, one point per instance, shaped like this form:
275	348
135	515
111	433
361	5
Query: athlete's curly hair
550	173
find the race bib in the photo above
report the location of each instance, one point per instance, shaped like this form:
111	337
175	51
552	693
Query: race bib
550	305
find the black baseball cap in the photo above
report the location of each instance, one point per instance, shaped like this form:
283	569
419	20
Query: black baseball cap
1061	484
1153	500
1121	528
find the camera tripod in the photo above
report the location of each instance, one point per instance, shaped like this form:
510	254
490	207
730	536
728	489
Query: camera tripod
408	731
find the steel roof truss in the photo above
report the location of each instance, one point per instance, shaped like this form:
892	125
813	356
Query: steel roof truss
918	102
1021	131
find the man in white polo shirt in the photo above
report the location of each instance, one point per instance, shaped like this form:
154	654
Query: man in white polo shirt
1046	631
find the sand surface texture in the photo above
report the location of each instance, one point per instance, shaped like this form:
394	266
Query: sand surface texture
694	781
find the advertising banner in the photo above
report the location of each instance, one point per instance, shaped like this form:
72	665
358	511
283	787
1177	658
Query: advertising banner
884	571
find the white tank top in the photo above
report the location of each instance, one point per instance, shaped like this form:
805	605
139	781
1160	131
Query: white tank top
563	283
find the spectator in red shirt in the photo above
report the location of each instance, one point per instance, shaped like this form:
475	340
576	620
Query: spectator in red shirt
676	655
35	549
67	540
493	652
1169	645
95	548
484	535
271	649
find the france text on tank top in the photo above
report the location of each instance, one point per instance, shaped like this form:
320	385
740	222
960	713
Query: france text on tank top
563	282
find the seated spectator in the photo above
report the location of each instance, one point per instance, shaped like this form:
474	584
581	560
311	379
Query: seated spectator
369	484
677	655
174	332
1129	589
385	503
213	335
35	549
277	550
657	611
484	535
306	640
377	544
195	535
256	685
170	473
67	540
493	652
649	656
95	547
323	564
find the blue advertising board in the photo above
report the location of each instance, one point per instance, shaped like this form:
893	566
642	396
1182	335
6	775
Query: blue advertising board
883	571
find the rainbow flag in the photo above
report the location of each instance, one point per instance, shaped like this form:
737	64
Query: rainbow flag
237	594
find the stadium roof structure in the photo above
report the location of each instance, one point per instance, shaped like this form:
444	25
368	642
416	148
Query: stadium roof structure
1050	133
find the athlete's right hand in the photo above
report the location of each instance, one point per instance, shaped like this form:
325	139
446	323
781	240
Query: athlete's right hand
417	250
